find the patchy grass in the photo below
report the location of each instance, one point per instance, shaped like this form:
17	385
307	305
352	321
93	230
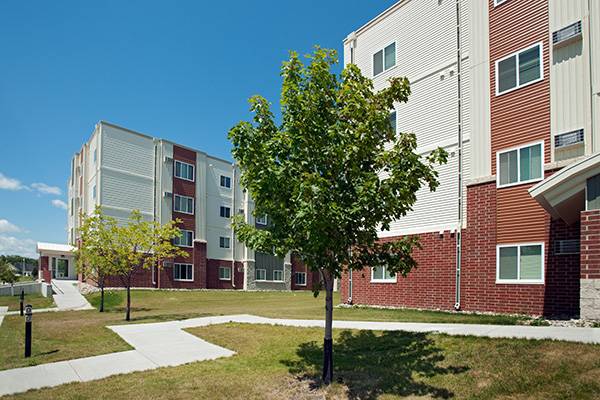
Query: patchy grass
36	300
274	362
65	335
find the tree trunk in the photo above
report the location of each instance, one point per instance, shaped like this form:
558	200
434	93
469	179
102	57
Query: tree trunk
128	309
102	296
328	341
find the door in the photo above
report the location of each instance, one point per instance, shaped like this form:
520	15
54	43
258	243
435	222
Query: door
62	268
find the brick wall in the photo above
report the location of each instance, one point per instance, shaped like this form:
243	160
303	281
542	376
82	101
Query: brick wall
44	268
212	274
312	278
590	264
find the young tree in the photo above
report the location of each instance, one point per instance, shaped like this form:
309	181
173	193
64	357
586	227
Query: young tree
7	275
142	244
97	255
332	174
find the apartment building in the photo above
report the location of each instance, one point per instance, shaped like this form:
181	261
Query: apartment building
510	88
122	170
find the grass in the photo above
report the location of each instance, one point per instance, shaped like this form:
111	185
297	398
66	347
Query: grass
64	335
36	300
275	362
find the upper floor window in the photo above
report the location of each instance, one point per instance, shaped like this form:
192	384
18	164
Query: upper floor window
393	122
520	165
183	204
225	212
94	192
519	69
224	242
184	170
262	220
225	181
382	274
186	239
520	263
95	155
384	59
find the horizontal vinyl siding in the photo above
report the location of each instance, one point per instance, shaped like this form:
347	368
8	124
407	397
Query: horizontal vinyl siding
520	218
127	191
127	151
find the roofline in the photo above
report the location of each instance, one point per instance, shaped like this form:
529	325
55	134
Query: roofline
379	17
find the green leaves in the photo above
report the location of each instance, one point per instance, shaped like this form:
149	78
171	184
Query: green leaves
333	172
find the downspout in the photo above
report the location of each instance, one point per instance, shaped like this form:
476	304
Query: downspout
233	210
154	208
460	160
352	41
592	94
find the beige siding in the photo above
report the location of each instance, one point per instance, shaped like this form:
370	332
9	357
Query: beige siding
594	24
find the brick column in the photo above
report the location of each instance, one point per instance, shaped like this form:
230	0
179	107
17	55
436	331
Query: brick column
589	297
45	268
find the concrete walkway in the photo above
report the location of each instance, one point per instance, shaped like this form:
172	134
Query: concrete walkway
3	311
166	344
67	296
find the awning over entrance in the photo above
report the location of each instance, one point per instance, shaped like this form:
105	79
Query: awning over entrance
571	190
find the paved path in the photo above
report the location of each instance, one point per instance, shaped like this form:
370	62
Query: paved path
3	310
166	344
67	296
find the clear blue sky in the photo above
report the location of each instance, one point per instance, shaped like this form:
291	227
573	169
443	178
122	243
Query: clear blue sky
181	70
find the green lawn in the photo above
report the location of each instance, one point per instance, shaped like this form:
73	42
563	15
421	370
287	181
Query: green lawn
36	300
65	335
275	362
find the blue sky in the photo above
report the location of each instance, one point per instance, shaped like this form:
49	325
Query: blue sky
180	70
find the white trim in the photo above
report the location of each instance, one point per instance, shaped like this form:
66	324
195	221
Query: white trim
499	2
183	280
227	268
520	281
517	149
181	177
518	84
384	280
382	49
184	197
184	245
282	275
265	273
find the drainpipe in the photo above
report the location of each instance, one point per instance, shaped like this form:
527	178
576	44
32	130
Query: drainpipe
592	94
460	160
352	41
233	210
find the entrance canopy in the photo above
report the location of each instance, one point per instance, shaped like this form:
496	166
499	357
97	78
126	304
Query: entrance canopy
571	190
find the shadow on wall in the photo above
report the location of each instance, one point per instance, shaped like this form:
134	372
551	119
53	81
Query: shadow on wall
372	365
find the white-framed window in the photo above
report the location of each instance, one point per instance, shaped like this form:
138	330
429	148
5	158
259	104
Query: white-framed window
261	274
520	69
393	121
520	263
94	192
521	164
183	204
381	274
184	170
262	220
277	275
225	273
384	59
183	272
498	2
185	240
224	242
225	212
225	181
300	278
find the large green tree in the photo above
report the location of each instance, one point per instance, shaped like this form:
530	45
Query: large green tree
331	174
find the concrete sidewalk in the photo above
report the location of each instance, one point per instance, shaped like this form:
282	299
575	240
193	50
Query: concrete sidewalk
67	296
166	344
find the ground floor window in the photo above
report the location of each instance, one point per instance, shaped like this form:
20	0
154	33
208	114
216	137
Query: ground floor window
300	278
277	275
381	274
183	272
261	274
225	273
520	263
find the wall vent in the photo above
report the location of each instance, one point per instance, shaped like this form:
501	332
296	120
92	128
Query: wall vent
567	34
568	138
566	246
168	194
168	159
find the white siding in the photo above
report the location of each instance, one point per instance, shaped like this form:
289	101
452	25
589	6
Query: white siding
216	196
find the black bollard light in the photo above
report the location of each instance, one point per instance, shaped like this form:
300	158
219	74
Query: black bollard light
28	314
22	300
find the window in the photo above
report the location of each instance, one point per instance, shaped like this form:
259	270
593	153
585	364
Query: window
224	242
225	273
95	155
225	212
183	204
381	274
520	263
184	170
262	220
277	275
519	69
520	165
185	240
393	121
183	272
384	59
261	274
94	192
300	278
225	181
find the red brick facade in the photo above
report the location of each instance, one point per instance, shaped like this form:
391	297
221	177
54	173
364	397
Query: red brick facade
312	278
590	244
45	269
213	281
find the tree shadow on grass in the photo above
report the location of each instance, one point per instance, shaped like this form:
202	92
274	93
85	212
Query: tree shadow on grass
372	365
